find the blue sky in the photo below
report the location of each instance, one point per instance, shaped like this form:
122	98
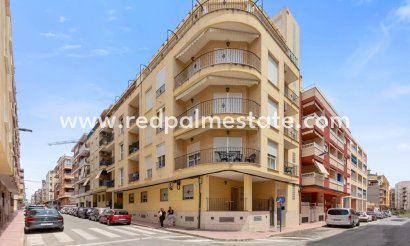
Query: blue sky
73	57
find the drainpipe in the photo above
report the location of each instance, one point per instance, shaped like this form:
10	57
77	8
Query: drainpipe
200	202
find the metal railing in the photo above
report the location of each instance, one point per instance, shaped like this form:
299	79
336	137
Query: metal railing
215	57
224	204
218	155
134	147
292	96
135	176
292	133
291	169
106	162
160	90
261	204
108	183
220	106
107	139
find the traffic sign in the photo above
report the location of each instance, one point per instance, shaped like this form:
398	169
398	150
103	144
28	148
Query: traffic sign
280	199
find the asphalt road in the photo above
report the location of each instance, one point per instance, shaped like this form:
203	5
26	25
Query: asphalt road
392	231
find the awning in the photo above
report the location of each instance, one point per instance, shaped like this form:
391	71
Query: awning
10	183
99	174
86	182
321	168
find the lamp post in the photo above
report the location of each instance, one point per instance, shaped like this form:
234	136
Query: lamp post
24	130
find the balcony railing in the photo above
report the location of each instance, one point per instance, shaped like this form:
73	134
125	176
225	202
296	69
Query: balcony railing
218	155
336	162
105	162
135	176
215	57
312	179
291	133
224	204
292	96
291	169
134	147
335	185
107	139
312	149
220	106
108	183
340	142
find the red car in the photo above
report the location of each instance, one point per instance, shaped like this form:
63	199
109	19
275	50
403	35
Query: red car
115	216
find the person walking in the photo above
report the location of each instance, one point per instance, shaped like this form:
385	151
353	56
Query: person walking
161	215
171	217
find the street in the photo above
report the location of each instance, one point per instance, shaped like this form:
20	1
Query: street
390	231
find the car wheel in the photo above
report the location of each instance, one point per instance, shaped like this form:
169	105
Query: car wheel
26	231
329	225
358	223
129	223
352	225
61	229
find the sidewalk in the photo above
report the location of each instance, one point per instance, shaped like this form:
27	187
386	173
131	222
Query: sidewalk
13	233
230	235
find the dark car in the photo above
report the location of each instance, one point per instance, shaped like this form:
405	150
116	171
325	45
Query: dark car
43	219
115	216
83	213
31	207
95	214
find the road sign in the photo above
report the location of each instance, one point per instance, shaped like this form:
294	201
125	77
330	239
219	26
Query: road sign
280	199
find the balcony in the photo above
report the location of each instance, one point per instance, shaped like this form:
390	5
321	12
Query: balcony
337	140
312	120
106	162
314	149
83	151
134	147
132	177
335	185
336	162
217	106
312	179
106	140
290	169
218	155
218	57
107	183
292	133
292	96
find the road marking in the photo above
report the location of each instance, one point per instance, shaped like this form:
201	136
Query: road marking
111	242
105	233
176	236
132	228
35	239
151	229
197	240
84	234
62	237
123	231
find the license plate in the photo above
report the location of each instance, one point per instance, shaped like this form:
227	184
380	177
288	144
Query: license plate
46	224
336	219
121	219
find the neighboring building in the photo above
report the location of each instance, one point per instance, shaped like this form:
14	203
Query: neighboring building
43	191
329	178
65	180
81	172
49	190
379	191
223	60
392	198
11	176
402	195
36	198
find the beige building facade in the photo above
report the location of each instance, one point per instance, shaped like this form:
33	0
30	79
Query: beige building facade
63	187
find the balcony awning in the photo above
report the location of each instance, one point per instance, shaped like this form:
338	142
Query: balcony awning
215	34
321	168
99	174
86	182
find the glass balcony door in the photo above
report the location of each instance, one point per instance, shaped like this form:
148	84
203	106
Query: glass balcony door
227	103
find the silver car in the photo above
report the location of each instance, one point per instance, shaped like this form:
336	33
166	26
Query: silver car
43	219
342	217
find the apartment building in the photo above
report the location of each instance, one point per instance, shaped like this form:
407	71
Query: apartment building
402	194
392	198
325	160
226	59
63	189
36	198
378	191
81	172
49	187
358	170
11	176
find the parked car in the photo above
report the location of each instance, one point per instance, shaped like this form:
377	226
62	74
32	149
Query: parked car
95	214
342	217
83	213
372	214
379	215
364	217
115	216
43	219
386	213
31	207
73	211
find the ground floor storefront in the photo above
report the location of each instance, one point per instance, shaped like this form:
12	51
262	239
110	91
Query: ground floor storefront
7	203
316	201
220	201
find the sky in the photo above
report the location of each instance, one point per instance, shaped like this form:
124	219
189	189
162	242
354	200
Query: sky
74	57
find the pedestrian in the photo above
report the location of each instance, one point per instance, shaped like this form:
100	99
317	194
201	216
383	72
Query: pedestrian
171	217
161	215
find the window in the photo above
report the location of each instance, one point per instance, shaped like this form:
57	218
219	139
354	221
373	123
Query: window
272	154
148	135
163	194
293	157
121	176
188	192
148	99
161	117
99	198
121	151
131	198
273	70
194	154
144	196
103	198
121	126
161	155
148	165
232	145
160	82
293	192
272	111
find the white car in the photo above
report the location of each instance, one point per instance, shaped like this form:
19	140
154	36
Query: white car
364	217
342	217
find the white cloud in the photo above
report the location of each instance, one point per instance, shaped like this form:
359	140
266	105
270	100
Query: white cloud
361	2
401	90
403	146
100	52
111	15
403	12
71	46
129	7
63	19
49	34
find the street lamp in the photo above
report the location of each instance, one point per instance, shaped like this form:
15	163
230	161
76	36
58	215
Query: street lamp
24	129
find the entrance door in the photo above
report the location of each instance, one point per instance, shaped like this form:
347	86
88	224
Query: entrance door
272	211
234	203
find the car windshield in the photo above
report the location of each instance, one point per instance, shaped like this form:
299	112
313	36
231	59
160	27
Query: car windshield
121	212
370	213
337	212
37	212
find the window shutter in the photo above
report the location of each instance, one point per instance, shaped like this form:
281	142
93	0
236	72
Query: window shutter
272	148
272	71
